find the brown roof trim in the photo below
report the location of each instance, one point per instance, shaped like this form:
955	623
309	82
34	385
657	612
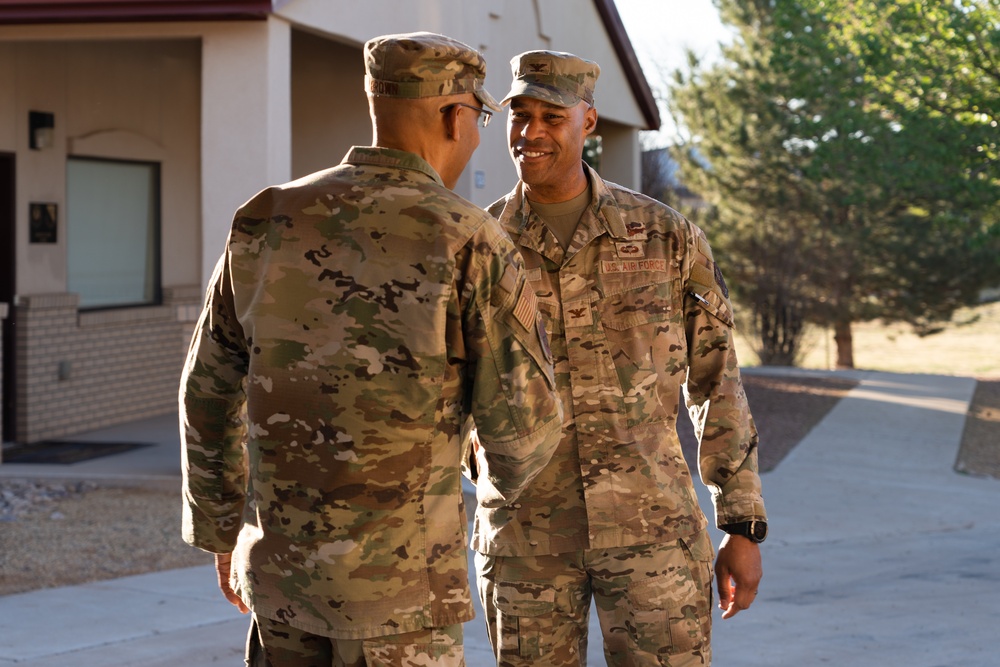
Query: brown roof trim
626	55
105	11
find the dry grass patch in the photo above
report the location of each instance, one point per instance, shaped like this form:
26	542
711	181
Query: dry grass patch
102	533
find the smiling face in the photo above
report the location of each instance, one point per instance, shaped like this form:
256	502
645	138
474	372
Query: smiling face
546	145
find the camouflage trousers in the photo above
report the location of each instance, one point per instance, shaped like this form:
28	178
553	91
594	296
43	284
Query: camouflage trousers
274	644
654	603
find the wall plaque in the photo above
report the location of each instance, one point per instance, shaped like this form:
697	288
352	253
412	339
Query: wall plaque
42	222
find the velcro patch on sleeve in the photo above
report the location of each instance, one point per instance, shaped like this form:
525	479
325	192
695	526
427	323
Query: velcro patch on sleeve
506	286
509	280
702	275
704	247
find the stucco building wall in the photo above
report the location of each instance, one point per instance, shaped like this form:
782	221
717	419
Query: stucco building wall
224	108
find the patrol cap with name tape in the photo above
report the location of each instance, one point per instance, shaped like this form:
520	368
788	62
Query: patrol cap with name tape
424	64
553	76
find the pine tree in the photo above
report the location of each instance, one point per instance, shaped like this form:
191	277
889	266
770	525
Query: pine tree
841	192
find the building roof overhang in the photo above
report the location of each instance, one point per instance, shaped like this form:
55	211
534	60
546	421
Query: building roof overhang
630	63
116	11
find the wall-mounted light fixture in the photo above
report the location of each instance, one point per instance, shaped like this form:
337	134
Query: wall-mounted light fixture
41	128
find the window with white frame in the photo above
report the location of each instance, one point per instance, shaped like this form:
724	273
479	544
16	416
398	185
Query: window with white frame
113	232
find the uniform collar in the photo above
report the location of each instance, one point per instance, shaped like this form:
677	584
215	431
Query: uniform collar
602	216
605	206
390	157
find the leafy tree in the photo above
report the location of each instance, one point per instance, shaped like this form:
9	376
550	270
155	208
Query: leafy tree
844	193
738	163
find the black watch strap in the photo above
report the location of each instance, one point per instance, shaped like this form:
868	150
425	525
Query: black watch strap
755	531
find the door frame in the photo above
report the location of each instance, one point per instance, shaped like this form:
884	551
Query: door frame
8	277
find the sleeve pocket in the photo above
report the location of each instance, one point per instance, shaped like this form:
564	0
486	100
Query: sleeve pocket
715	305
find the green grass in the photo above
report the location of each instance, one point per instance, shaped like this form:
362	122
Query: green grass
971	350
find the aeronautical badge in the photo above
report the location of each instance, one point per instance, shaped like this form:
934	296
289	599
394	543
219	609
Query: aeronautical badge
720	280
629	250
636	229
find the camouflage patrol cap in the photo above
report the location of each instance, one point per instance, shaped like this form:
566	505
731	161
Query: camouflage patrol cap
555	77
424	64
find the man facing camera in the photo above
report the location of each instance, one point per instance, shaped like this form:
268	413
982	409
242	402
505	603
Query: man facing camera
638	314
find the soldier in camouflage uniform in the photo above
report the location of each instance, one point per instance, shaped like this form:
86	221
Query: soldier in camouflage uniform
637	312
359	317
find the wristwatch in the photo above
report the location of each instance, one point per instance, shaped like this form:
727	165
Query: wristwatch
755	531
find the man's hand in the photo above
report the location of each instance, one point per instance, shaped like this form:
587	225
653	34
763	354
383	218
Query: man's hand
737	574
223	563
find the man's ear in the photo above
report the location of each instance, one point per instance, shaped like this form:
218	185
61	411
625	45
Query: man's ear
590	120
451	125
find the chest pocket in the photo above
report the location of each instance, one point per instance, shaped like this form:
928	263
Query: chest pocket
644	327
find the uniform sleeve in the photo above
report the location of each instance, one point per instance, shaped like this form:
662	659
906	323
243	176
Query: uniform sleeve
714	392
212	401
511	384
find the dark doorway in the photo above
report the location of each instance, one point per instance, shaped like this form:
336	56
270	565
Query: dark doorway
8	253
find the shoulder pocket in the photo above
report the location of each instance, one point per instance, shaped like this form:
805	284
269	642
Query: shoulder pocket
707	287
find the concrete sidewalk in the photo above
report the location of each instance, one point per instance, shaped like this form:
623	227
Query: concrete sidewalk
879	555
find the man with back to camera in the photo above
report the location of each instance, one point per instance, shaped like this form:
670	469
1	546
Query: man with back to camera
637	312
360	316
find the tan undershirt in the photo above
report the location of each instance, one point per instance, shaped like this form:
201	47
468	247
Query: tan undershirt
563	217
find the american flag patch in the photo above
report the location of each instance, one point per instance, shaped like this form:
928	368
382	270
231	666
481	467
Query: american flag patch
526	307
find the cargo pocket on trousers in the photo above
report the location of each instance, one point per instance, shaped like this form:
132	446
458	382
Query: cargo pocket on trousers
381	654
524	617
673	610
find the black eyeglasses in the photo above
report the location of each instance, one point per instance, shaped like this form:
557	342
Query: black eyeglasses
484	114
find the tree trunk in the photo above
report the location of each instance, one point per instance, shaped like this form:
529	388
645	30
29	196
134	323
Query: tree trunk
845	344
779	326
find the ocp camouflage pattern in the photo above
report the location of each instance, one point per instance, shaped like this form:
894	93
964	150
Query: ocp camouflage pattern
635	317
423	64
555	77
359	317
654	603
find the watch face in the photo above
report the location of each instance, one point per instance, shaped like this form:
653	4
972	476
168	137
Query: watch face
759	530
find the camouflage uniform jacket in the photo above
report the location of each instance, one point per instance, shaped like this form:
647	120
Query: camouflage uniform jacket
357	319
636	310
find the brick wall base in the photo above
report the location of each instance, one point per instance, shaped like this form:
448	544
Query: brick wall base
80	371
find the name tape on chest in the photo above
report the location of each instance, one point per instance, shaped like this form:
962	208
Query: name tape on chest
633	265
